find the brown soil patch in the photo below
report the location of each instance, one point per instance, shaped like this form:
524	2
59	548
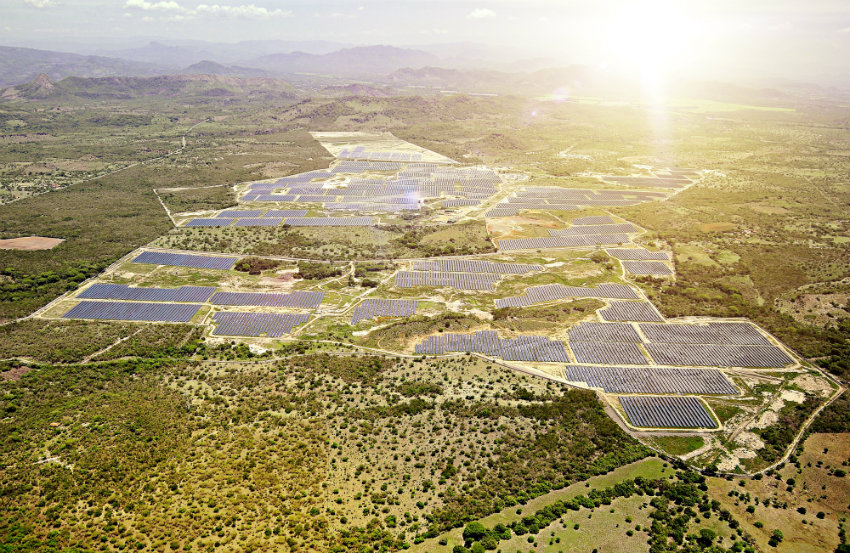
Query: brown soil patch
511	227
717	227
29	243
14	373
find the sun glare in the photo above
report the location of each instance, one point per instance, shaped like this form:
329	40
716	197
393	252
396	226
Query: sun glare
651	39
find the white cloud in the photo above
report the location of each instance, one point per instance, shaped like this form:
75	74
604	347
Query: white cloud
40	3
178	12
163	6
244	10
481	13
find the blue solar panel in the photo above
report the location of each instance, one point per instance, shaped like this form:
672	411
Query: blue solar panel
213	222
237	213
259	222
286	213
133	311
272	325
186	260
122	292
295	299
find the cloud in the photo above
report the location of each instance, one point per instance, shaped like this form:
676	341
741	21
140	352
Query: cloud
245	10
481	13
39	3
178	12
163	6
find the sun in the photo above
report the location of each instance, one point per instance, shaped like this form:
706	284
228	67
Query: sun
650	38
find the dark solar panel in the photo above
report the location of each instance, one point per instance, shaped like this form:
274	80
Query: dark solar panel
122	292
133	311
271	325
186	260
307	300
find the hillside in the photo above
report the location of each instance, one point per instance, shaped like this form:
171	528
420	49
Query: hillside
135	87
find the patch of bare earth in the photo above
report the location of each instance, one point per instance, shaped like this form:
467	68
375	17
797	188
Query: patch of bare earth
15	373
30	243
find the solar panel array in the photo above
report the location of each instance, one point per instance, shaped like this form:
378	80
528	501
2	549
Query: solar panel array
210	222
460	203
618	228
372	308
592	240
404	192
186	260
666	412
553	198
285	213
716	355
593	220
238	213
133	311
306	300
631	311
259	222
652	380
551	292
647	268
637	254
616	353
711	333
603	332
470	266
123	292
330	221
272	325
461	281
361	153
487	342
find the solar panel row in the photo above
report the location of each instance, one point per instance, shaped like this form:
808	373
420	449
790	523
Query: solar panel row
307	300
123	292
637	254
461	281
619	228
714	355
133	311
631	311
487	342
470	266
271	325
651	380
647	268
593	220
593	240
666	412
711	333
603	332
186	260
550	292
615	353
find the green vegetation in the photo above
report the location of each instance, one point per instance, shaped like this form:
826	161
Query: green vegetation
256	265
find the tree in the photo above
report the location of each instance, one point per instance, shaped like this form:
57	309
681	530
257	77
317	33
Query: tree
474	531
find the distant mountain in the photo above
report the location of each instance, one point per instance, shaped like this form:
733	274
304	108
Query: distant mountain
201	86
365	60
180	53
21	65
208	67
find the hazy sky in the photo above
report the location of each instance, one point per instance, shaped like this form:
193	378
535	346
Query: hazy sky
793	38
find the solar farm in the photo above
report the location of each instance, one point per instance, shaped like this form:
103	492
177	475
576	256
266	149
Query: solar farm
654	373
